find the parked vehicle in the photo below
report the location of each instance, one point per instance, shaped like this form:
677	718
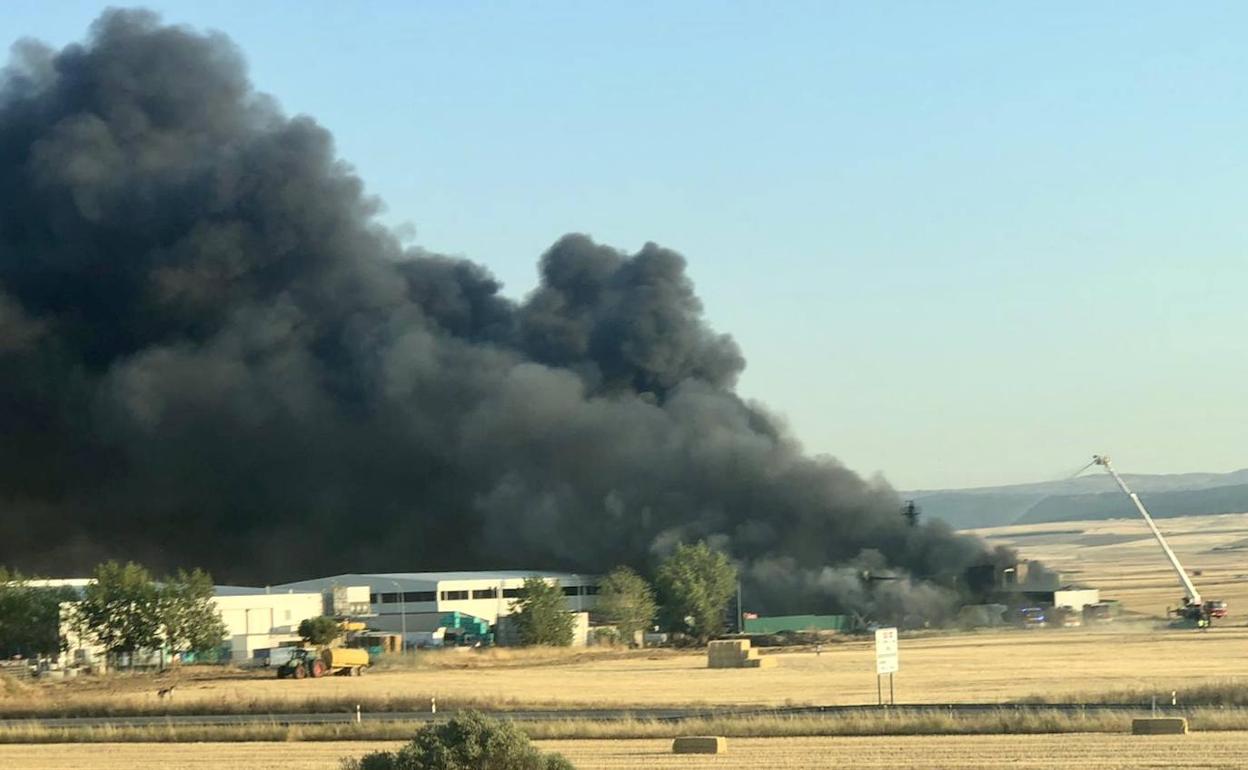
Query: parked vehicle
1032	617
1101	612
274	657
339	661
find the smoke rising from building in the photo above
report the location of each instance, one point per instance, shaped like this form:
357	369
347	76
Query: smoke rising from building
211	354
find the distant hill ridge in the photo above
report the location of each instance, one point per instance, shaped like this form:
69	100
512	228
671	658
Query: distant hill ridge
1093	496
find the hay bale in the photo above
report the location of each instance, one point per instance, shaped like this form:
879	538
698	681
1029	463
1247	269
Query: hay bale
700	744
759	663
1159	726
732	653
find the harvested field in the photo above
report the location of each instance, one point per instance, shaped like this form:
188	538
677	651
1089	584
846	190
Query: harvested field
975	667
1120	557
1067	752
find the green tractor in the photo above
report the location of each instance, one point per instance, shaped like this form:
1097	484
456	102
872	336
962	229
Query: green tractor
306	663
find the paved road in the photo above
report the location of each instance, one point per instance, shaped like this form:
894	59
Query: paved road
600	715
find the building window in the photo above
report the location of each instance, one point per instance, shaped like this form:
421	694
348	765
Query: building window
485	593
390	598
591	590
450	596
511	593
374	598
420	596
571	590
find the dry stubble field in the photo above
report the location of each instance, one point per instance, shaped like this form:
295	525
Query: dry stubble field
981	667
1065	752
1120	557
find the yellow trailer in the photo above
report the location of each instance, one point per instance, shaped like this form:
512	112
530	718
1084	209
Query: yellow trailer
345	660
338	661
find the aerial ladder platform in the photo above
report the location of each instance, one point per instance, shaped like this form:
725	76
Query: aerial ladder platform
1195	608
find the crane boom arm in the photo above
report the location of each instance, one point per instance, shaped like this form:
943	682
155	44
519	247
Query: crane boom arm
1193	596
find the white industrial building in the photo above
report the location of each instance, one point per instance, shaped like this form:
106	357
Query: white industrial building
1075	597
416	602
260	618
409	603
254	618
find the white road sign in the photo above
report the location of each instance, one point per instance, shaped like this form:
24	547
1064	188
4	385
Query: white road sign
886	650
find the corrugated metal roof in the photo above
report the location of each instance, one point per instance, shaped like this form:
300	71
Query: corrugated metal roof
384	581
241	590
514	574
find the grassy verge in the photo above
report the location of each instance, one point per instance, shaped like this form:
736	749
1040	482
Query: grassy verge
1227	692
866	723
132	705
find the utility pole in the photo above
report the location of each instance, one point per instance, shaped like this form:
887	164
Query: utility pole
911	511
740	611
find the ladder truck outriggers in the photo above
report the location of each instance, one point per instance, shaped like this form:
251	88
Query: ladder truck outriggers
1195	609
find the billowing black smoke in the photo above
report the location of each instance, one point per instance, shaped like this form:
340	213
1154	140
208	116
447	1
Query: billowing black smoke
211	354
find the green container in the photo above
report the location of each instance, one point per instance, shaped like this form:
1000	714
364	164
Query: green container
780	623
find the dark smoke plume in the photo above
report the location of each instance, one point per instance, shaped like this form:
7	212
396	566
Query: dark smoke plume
211	354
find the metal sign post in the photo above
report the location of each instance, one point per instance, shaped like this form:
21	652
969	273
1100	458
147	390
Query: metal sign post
886	662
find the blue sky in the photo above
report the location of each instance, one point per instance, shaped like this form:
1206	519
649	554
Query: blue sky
959	243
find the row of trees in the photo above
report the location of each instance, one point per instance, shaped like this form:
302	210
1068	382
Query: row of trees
29	616
694	586
123	610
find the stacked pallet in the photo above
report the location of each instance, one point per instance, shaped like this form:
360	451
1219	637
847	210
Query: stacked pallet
734	653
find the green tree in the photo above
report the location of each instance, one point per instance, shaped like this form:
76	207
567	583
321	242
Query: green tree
121	609
467	742
626	601
30	616
695	584
190	621
540	615
320	631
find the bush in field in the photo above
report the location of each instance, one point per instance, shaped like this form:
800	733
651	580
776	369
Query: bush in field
468	742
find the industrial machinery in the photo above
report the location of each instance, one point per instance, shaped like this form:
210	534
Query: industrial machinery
339	661
1195	609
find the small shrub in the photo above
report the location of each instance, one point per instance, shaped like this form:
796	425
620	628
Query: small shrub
604	636
468	742
319	631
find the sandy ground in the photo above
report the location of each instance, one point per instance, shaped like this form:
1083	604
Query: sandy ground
1093	751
